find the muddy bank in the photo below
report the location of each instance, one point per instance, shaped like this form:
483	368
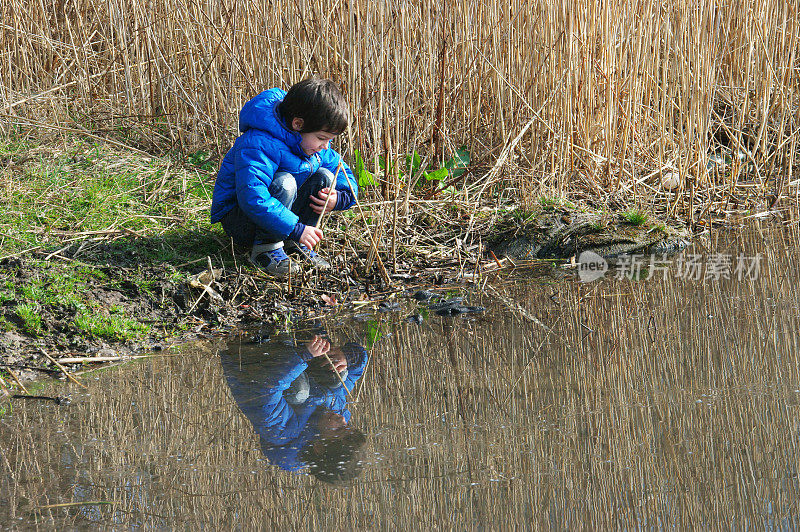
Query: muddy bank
127	311
112	310
121	311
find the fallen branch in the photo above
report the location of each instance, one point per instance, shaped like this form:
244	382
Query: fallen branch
82	360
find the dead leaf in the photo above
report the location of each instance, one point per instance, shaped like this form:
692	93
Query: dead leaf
205	277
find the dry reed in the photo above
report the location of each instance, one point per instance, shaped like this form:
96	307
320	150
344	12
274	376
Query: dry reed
615	94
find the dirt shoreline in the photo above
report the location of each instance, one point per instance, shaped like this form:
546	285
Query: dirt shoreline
173	312
213	302
126	310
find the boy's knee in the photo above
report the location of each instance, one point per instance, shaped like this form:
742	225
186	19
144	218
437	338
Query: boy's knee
284	188
325	177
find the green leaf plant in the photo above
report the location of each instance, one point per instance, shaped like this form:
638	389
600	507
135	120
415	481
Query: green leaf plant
413	170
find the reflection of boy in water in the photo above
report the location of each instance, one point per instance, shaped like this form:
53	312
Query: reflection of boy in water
298	405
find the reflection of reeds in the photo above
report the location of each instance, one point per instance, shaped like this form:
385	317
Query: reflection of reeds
670	402
617	94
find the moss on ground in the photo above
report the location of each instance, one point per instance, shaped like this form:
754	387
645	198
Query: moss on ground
74	213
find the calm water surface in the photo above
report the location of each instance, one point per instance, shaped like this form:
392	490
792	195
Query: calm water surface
671	401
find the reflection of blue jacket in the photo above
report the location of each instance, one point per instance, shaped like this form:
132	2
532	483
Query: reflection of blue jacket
267	146
258	381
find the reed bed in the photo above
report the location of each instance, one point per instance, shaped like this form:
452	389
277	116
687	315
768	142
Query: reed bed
577	99
619	404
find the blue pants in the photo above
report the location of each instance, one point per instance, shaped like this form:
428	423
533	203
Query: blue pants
245	232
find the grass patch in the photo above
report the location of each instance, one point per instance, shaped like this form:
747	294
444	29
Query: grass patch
549	203
120	207
596	226
29	315
522	215
634	217
53	288
6	291
58	291
115	325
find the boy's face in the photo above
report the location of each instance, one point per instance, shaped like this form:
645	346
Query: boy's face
314	141
338	360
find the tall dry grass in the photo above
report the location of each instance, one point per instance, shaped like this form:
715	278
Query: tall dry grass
614	94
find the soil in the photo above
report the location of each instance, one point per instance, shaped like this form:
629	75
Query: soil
211	302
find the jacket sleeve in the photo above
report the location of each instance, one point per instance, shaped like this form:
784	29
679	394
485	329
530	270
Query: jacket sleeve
354	373
280	423
330	160
254	172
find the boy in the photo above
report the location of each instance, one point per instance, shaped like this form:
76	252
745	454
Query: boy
276	179
297	404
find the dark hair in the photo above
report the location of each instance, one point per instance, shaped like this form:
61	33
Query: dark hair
340	459
319	103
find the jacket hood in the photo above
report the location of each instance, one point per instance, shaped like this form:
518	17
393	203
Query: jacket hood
262	113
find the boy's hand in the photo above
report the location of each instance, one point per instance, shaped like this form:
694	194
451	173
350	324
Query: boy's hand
318	346
318	201
311	236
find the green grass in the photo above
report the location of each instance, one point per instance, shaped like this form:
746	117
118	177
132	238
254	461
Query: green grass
521	215
64	289
102	209
549	203
200	159
114	325
149	211
634	217
6	291
596	226
53	287
31	320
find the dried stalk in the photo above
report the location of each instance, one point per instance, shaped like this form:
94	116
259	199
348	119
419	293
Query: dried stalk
63	369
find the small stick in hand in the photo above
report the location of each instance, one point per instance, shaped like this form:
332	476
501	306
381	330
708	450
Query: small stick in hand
328	197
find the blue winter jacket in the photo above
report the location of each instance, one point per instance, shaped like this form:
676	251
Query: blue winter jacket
267	146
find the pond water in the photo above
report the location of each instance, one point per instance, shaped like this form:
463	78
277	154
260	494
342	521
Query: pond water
668	401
